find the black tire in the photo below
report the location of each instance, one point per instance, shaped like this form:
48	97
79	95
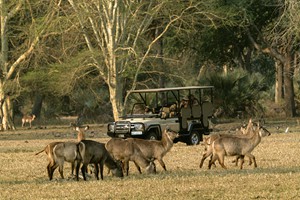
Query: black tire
194	138
152	136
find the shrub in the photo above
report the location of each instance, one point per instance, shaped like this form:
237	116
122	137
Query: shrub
237	92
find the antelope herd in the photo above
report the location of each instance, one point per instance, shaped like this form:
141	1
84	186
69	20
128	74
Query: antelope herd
117	152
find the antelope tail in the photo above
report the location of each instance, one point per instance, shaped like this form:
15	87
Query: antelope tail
81	149
39	152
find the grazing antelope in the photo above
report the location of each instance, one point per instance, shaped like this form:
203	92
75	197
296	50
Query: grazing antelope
126	150
93	152
28	119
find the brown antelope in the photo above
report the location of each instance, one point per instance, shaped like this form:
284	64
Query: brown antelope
80	134
60	152
54	151
28	119
64	151
156	150
126	150
93	152
236	146
245	132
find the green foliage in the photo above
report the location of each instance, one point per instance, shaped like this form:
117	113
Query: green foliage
35	80
79	80
74	87
237	91
207	31
265	65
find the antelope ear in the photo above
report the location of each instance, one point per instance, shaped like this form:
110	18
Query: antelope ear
167	129
250	121
77	128
87	127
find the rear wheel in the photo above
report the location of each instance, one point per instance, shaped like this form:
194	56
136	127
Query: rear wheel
194	138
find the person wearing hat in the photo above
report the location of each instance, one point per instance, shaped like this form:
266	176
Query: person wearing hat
184	102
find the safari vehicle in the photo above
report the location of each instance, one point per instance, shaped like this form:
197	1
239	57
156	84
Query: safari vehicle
183	109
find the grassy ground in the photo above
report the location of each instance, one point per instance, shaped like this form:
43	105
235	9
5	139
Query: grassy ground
23	174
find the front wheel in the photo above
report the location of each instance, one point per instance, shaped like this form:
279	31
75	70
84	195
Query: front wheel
194	138
152	136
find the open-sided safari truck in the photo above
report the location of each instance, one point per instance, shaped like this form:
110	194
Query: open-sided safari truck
183	109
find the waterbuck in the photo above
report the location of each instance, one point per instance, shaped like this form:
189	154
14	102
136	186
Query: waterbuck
93	152
80	133
245	132
64	151
156	150
49	151
236	146
126	150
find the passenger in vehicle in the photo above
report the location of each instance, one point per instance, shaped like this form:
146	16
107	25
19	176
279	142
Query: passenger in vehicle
193	100
184	102
164	112
173	110
148	111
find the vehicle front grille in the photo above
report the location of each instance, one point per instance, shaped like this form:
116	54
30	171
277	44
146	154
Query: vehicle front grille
122	127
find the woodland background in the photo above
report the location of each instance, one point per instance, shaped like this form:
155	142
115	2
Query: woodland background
79	58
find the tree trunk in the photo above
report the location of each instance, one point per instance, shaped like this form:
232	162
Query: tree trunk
3	64
160	52
37	106
7	123
279	83
290	109
115	91
9	110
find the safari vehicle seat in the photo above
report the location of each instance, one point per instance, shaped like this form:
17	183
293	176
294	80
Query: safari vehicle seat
207	110
197	111
185	114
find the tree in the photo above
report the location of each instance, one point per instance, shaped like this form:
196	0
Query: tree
259	27
280	39
113	33
23	23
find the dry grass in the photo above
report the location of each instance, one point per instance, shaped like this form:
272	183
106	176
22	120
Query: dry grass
23	175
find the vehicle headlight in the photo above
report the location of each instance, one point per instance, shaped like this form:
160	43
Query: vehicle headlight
139	127
111	127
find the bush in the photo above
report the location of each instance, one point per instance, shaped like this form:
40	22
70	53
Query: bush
237	92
